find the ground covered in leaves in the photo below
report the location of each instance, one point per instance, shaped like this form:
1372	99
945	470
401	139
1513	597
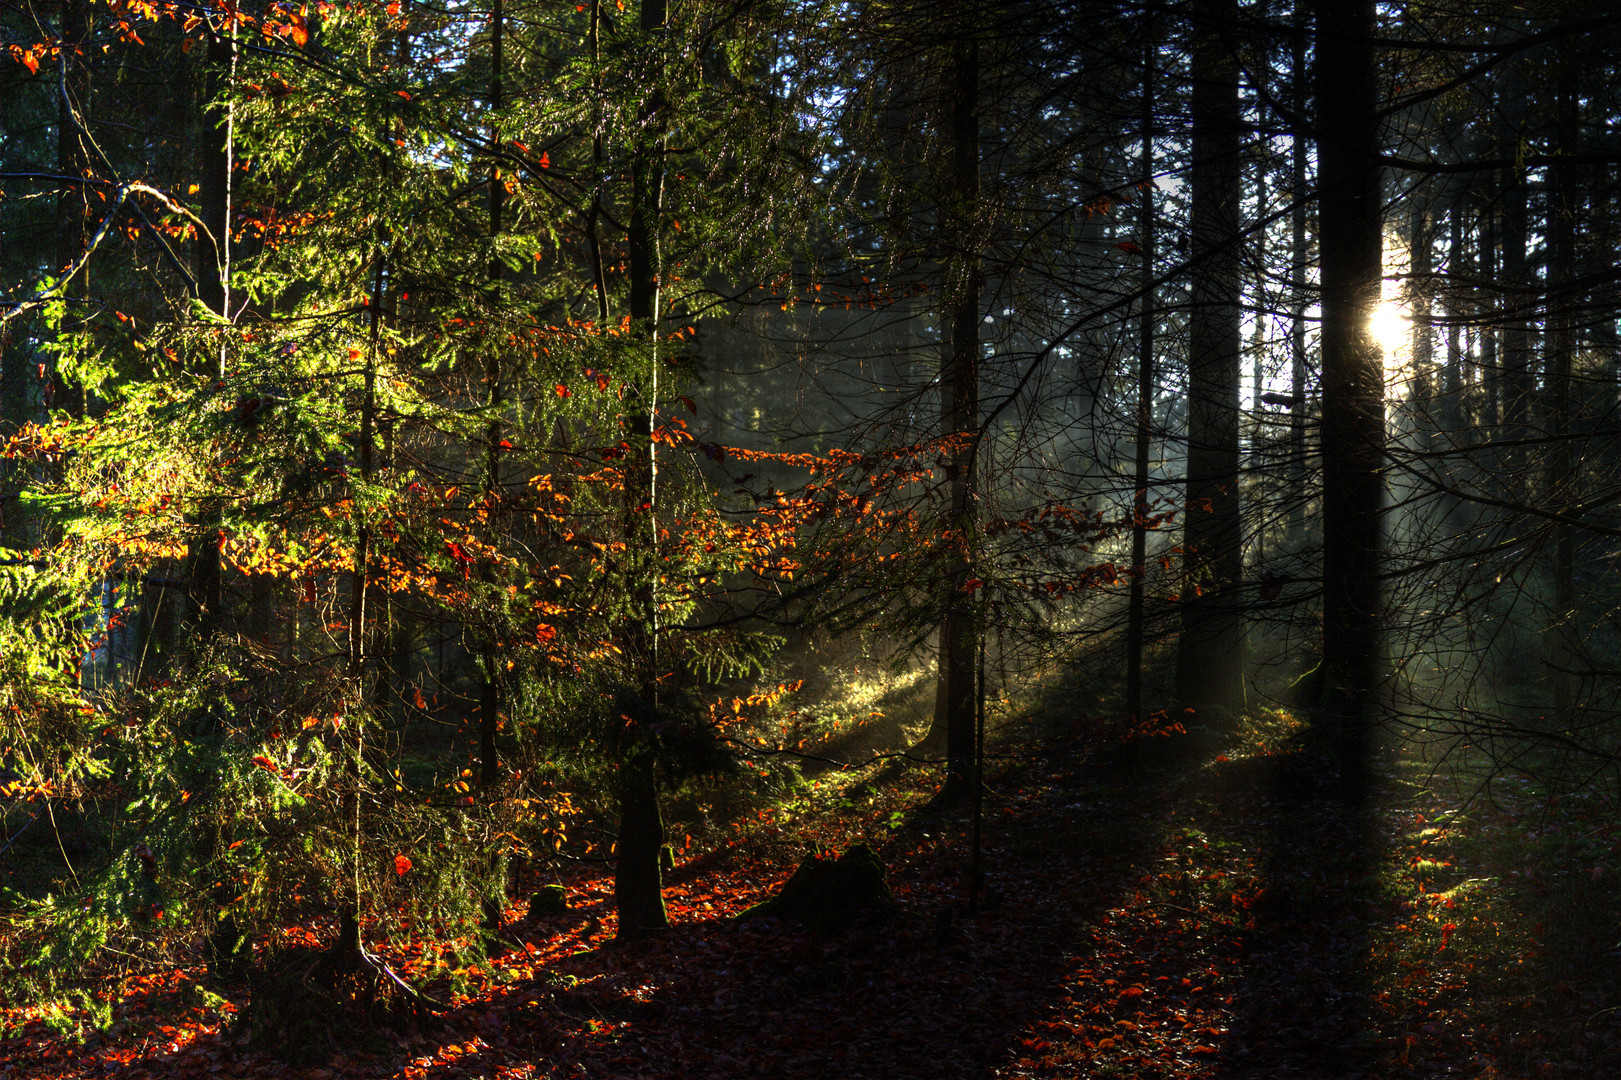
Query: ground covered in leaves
1220	918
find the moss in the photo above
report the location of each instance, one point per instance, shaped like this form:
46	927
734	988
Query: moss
548	900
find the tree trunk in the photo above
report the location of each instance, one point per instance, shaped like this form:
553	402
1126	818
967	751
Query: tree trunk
959	380
1353	384
489	697
1450	414
1516	387
1488	395
1135	614
1298	286
1421	237
204	608
1210	665
638	877
1561	470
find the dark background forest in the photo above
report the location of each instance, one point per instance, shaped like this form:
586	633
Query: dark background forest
754	537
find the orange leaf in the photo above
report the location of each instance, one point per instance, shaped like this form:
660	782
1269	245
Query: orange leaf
401	864
545	160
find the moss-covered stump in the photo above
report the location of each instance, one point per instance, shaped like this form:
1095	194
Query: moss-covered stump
826	893
548	900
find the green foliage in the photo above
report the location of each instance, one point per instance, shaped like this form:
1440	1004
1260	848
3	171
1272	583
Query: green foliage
409	432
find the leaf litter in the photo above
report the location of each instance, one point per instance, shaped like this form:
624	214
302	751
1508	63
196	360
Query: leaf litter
1156	931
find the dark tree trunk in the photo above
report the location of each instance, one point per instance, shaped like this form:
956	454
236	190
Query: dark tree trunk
1421	237
1450	413
1516	387
489	697
72	203
638	877
1301	254
1488	397
204	608
1451	410
1353	384
959	378
1561	467
1136	621
349	948
1210	661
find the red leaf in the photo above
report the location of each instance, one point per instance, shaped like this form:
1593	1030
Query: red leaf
1129	248
401	865
690	404
545	160
265	763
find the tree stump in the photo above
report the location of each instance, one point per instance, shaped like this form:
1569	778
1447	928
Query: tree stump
826	893
548	900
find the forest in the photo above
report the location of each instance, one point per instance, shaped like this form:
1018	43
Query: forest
884	538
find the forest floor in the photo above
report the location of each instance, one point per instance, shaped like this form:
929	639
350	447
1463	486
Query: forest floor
1221	919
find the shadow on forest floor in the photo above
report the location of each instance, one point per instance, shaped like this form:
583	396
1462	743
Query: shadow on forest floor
1211	919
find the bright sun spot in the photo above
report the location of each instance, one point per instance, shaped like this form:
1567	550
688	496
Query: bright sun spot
1392	329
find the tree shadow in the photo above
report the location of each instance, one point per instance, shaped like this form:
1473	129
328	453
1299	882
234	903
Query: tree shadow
1303	1002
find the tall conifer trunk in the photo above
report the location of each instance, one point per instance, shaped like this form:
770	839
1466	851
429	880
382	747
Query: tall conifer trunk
72	203
638	877
959	379
1135	617
1353	383
1298	281
204	598
1210	666
1517	384
1563	647
489	697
